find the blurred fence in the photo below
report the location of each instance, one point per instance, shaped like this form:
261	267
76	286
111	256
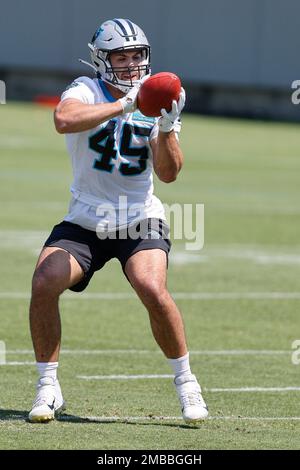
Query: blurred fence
235	57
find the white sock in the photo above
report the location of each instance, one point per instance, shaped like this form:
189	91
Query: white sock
47	369
181	365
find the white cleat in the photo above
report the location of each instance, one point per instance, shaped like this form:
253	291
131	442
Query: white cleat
48	402
193	406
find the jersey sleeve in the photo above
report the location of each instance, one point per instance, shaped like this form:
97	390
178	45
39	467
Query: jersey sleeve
80	89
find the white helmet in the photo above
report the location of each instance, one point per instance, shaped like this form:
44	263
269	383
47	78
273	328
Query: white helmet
118	35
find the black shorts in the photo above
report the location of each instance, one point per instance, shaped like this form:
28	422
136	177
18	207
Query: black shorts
92	252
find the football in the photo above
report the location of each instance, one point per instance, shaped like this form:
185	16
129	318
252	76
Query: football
158	92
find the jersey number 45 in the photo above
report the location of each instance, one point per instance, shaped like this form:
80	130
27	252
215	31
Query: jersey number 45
104	143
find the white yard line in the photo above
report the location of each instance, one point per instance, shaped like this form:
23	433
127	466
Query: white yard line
168	376
124	377
241	352
258	254
184	257
221	352
254	389
17	363
175	295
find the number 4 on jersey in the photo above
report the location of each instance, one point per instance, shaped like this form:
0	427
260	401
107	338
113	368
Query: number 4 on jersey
103	142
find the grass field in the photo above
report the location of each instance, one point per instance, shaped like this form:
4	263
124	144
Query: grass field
239	297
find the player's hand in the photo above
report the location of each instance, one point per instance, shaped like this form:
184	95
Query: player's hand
171	121
145	77
129	101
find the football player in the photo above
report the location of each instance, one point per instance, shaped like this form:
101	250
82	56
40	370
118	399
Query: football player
114	150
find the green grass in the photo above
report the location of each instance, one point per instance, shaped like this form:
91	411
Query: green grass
247	175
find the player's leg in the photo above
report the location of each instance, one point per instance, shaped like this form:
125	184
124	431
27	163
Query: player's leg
56	271
146	271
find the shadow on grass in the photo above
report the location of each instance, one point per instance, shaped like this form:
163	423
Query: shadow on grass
10	415
149	421
22	415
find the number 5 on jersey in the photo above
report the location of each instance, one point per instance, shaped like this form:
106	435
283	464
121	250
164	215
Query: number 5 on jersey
104	143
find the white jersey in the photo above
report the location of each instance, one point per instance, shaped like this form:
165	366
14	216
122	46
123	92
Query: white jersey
112	165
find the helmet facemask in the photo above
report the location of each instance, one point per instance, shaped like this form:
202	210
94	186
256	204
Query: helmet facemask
143	69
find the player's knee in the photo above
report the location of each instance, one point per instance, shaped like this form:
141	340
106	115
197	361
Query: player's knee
153	294
45	284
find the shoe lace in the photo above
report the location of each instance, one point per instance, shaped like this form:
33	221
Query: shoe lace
44	395
192	398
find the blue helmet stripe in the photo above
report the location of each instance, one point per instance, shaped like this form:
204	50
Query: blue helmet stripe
122	29
132	29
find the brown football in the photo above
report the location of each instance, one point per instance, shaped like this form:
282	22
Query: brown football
158	92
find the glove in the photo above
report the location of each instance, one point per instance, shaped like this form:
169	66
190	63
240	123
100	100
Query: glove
129	101
171	121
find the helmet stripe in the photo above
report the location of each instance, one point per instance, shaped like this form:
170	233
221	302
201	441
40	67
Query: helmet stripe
132	29
122	29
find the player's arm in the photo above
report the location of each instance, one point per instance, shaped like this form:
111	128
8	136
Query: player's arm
72	115
167	155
